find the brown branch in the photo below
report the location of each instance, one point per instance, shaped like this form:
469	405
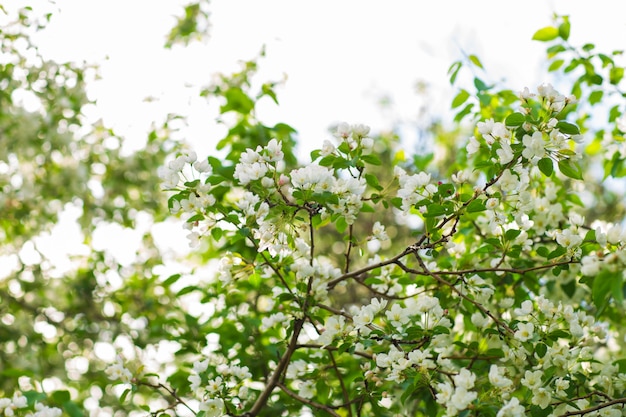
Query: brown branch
344	391
307	401
520	271
349	249
334	282
332	349
282	365
441	280
594	408
170	391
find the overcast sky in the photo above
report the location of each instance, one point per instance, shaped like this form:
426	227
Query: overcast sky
340	57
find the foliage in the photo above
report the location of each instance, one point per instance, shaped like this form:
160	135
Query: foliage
56	318
484	282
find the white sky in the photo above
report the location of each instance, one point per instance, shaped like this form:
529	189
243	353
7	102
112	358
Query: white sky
340	57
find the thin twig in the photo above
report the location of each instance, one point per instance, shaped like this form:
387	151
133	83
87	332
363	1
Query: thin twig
307	401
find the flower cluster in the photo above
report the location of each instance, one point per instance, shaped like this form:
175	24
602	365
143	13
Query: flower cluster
18	406
484	308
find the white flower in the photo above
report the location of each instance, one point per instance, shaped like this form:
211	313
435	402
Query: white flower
379	233
524	331
203	166
473	146
397	315
313	177
275	151
509	181
590	265
497	378
444	393
561	385
615	234
342	131
492	203
213	408
505	153
194	239
464	379
532	379
117	372
177	164
327	148
360	130
479	320
568	239
363	318
525	309
462	398
541	397
274	319
525	94
534	147
307	389
512	409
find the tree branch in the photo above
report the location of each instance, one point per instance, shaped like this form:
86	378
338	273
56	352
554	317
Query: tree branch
307	401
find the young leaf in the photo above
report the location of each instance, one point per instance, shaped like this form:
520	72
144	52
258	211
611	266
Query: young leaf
564	29
570	169
545	34
476	206
515	119
567	128
546	166
460	98
476	61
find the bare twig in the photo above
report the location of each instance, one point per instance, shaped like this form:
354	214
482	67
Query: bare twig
307	401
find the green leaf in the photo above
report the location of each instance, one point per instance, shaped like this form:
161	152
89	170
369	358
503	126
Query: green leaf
60	397
341	224
570	169
460	98
217	233
475	206
602	287
555	65
476	61
372	181
453	71
186	290
371	159
464	112
568	128
366	208
596	96
480	84
588	47
543	251
124	395
446	190
559	251
564	29
545	34
541	349
171	279
72	409
546	166
515	119
615	75
435	210
511	234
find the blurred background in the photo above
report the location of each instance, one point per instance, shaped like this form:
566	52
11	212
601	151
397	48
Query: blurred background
96	95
